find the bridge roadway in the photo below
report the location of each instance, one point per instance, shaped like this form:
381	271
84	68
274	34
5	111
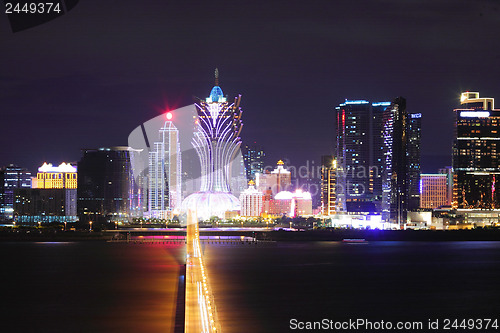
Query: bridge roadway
200	314
248	232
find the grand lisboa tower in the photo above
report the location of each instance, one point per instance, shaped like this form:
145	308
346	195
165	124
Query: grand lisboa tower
217	142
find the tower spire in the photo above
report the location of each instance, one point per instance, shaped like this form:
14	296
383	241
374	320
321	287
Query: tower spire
216	76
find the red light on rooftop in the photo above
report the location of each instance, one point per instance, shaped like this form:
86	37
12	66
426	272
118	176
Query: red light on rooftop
169	115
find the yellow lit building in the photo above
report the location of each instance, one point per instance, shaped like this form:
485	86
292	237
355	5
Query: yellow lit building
62	176
329	185
433	190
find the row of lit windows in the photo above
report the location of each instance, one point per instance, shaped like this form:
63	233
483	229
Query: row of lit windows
50	175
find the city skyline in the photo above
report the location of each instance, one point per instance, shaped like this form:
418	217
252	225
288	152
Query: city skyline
250	166
154	58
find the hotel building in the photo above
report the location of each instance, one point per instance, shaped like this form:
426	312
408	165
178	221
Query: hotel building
279	179
51	198
217	143
360	155
11	177
433	190
476	148
62	176
165	172
402	162
251	201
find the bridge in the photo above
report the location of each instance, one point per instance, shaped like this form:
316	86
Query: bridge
196	306
200	313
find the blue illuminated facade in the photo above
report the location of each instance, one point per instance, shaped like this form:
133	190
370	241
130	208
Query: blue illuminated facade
11	177
254	160
400	183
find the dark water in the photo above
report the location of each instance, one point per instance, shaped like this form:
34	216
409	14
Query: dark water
260	289
88	287
102	287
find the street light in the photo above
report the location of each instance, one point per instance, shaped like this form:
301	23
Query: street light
65	224
116	225
90	222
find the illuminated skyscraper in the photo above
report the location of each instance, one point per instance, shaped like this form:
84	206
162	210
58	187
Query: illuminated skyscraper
217	142
360	155
413	154
328	185
11	177
254	161
402	162
476	148
165	172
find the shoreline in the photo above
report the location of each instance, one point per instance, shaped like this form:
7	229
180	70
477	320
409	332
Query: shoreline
388	235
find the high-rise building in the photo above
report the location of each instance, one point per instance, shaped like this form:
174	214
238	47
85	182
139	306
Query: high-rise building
378	152
448	171
165	172
433	190
360	155
251	201
402	171
254	161
51	198
11	177
413	155
107	191
62	176
279	179
217	142
476	163
328	185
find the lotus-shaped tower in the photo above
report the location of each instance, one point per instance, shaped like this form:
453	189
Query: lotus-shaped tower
216	141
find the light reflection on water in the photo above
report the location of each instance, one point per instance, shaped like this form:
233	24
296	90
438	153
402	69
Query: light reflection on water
90	287
265	285
120	287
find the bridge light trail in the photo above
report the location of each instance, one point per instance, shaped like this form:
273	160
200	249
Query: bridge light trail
200	310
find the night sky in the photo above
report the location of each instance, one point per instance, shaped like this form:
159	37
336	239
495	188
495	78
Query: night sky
88	78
